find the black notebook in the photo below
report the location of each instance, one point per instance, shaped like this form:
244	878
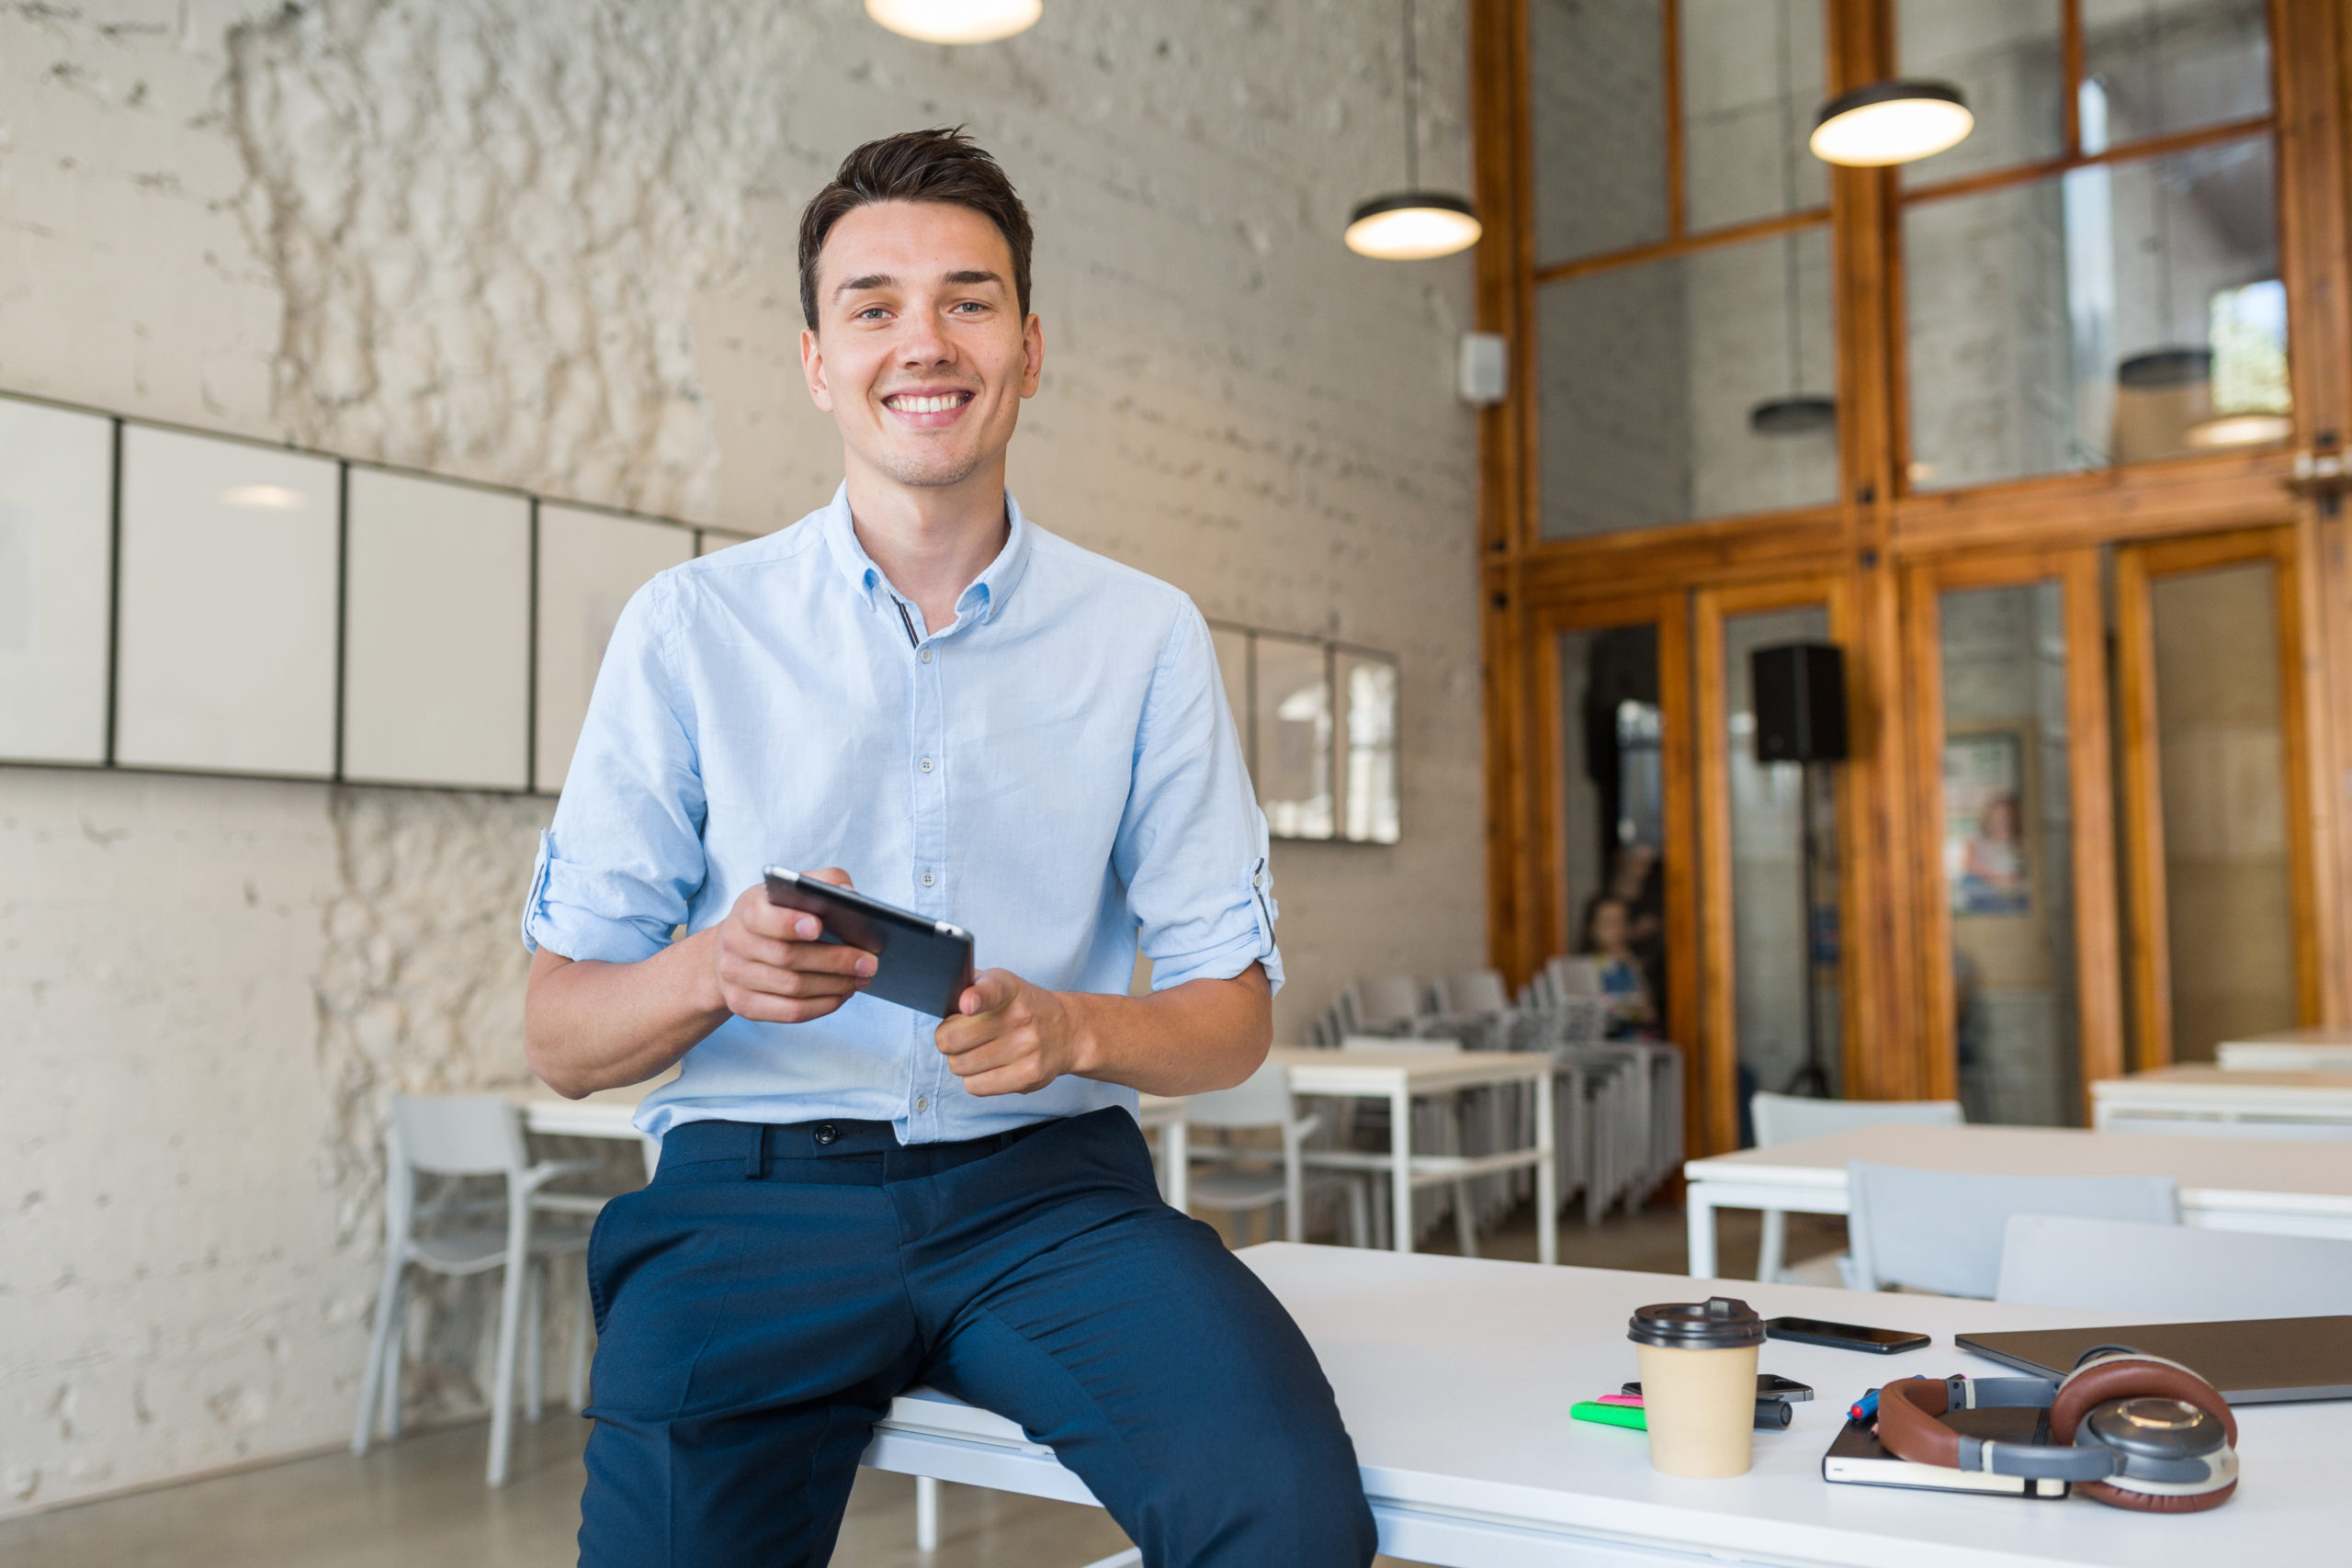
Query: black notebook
1858	1459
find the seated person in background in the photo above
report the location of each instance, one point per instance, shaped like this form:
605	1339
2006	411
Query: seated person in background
919	686
1607	936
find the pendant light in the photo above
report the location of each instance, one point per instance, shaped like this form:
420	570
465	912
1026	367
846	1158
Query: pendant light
1412	224
1890	122
1796	412
955	21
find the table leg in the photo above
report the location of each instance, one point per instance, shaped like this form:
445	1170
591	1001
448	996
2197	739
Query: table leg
1400	1176
1547	1175
926	1513
1176	1153
1701	1207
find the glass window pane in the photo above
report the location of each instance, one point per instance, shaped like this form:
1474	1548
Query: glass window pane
1613	816
2070	323
1699	386
1751	80
2222	765
1779	1040
1367	695
2007	59
1231	645
1596	112
2009	854
2156	67
1294	702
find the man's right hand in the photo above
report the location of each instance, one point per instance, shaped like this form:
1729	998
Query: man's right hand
773	969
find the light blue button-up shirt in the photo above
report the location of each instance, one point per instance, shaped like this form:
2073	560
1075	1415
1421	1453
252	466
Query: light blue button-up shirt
1056	771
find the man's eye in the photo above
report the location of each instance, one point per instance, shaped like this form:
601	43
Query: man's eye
973	305
872	312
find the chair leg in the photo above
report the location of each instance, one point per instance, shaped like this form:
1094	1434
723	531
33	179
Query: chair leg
395	1355
1465	1223
510	1326
926	1513
381	1339
534	1349
1771	1245
584	1331
1359	1216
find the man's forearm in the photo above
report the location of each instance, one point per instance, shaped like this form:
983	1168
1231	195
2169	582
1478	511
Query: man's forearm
1189	1038
589	1025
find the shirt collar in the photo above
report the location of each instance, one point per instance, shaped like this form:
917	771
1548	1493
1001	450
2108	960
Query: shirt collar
981	601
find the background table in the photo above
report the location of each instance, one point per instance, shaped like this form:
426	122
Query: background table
2290	1050
1455	1375
2284	1188
2194	1098
1400	1076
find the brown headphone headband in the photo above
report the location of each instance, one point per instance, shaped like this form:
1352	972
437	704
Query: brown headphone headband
2095	1385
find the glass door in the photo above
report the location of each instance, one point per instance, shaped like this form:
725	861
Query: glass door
2018	966
2217	819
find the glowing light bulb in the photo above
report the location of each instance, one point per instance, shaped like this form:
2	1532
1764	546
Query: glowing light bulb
1890	122
956	21
1414	226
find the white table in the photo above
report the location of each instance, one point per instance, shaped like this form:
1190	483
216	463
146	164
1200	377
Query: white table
2286	1188
1454	1377
2321	1049
1397	1076
611	1113
2194	1098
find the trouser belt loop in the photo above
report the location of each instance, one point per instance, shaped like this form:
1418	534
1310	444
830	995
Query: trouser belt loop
755	1160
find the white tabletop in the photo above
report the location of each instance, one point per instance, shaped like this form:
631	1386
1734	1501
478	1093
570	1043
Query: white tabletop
1455	1375
2208	1170
1316	1070
2338	1034
2290	1050
2197	1085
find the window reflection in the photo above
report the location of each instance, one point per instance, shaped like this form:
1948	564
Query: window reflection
1368	763
1294	701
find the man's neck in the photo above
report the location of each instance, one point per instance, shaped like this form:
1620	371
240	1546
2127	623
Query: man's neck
931	544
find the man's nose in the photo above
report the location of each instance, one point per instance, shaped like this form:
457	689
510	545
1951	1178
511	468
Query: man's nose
923	343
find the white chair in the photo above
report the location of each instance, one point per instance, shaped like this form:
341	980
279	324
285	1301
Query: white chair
1262	1102
1475	993
2178	1272
452	1136
1942	1231
1389	1004
1788	1118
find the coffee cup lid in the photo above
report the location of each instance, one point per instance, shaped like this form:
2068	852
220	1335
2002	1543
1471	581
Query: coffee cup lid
1719	1323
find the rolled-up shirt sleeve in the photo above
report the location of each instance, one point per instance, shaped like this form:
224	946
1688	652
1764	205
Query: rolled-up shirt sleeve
624	857
1191	847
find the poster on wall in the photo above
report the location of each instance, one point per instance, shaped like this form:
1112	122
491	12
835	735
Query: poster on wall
1985	853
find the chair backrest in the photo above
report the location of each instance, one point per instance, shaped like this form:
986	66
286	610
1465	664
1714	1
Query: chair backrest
1786	1118
1475	992
2178	1272
1574	977
1262	1100
1942	1230
459	1135
1390	1001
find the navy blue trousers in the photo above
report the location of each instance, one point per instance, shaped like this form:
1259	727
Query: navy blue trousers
760	1302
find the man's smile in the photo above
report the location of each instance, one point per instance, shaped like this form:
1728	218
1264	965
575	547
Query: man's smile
928	408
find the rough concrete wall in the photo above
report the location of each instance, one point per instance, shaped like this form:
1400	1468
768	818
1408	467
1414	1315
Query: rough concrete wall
373	226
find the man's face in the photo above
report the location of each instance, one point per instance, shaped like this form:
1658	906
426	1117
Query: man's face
921	352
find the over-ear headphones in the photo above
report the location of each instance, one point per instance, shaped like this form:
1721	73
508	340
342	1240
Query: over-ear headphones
2131	1430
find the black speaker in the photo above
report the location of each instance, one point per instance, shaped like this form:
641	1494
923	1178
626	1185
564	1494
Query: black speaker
1800	703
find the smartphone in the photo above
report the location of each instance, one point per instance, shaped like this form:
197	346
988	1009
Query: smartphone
1769	1386
1844	1335
919	962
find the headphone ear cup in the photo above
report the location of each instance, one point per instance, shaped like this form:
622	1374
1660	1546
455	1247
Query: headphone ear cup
2115	1496
2126	1377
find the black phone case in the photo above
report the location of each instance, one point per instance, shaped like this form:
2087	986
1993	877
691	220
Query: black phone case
919	963
1831	1341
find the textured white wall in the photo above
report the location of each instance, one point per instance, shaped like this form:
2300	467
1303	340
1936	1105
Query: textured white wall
548	243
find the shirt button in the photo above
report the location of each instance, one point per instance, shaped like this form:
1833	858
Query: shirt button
827	1132
924	655
922	1103
927	879
924	764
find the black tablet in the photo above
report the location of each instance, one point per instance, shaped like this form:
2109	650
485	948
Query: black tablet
919	962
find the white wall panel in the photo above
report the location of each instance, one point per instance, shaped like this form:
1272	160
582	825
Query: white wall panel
590	562
56	493
228	606
436	638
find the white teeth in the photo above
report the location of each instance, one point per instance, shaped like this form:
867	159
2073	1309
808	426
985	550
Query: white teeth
925	405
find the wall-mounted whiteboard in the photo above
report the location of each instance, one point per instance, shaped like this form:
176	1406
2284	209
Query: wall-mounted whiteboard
227	615
436	685
56	525
590	562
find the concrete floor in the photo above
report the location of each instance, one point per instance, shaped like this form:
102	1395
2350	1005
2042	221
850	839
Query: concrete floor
421	1503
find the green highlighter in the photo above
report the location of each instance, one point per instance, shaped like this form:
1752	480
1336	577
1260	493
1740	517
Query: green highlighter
1632	1415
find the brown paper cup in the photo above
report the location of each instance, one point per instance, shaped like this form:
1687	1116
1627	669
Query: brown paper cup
1702	1409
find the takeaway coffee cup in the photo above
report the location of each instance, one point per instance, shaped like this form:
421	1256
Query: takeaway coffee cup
1698	1383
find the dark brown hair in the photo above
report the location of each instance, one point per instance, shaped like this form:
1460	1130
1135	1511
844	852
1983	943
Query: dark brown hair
938	164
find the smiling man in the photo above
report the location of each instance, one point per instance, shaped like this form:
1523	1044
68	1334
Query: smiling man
922	692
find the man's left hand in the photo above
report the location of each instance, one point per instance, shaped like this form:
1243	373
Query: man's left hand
1008	1036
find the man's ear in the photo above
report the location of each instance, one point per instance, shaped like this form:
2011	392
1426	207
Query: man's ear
1033	354
812	369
